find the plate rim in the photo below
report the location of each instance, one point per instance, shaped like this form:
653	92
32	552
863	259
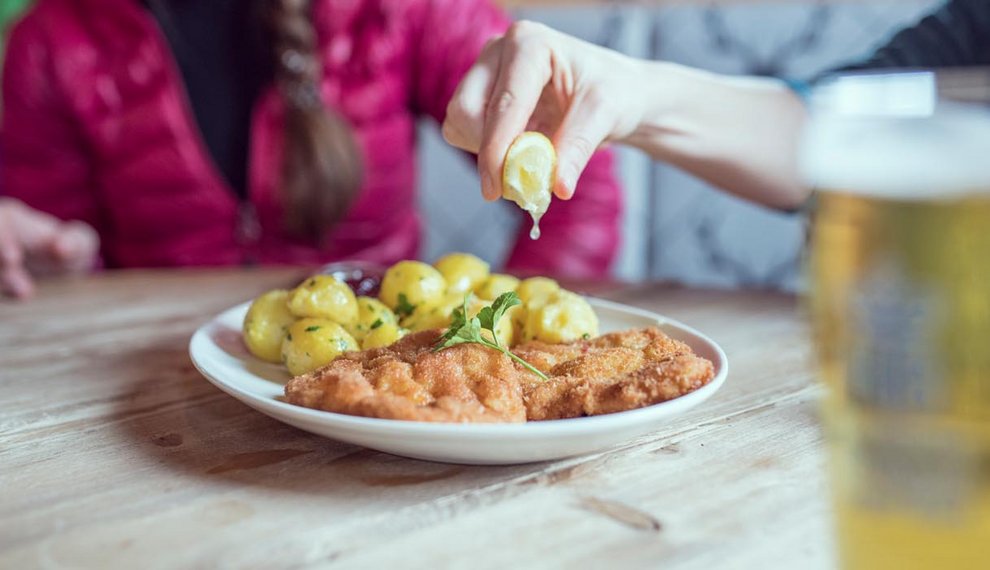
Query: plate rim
544	428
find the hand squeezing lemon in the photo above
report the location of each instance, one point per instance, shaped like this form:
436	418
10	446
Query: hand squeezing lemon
528	175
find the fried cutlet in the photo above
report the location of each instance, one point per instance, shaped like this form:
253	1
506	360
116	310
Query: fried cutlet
472	383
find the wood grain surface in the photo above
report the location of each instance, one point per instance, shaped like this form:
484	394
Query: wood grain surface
115	452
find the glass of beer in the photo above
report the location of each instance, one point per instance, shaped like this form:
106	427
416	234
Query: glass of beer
900	302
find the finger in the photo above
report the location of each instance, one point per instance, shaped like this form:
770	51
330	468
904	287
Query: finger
549	111
456	138
524	71
584	128
465	118
16	282
75	246
14	279
11	253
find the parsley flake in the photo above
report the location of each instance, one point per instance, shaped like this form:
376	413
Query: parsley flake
404	308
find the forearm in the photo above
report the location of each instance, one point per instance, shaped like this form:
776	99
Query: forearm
740	134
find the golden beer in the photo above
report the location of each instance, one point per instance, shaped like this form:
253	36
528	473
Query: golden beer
900	276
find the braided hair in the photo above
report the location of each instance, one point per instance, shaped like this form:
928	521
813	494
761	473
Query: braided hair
321	165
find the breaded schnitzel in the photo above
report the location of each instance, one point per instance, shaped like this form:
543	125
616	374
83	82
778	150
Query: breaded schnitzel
472	383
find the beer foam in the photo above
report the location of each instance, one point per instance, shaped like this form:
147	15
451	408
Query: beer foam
943	155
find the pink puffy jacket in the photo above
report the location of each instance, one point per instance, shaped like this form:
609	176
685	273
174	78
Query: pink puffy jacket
97	127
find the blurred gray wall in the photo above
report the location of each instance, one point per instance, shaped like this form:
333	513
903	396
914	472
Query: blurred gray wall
676	227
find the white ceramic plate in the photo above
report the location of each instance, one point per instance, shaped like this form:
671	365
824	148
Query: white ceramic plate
218	352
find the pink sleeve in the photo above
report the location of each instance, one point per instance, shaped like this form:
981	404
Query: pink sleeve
450	37
43	158
580	237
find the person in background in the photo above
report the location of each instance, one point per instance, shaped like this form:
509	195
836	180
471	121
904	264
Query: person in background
188	133
738	133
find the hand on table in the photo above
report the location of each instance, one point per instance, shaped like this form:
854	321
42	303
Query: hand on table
33	244
535	78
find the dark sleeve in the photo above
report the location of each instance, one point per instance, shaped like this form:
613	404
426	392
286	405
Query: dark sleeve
957	34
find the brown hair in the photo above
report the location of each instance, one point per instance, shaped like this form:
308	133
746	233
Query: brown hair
321	161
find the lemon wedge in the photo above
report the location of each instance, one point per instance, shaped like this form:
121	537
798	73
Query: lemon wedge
528	175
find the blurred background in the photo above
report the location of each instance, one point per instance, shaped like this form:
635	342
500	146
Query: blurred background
676	227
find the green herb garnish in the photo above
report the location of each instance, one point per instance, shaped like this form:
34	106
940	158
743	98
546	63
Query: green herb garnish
404	308
313	328
463	330
376	324
490	316
586	336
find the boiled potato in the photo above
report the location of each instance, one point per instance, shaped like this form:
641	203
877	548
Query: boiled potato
462	271
324	297
312	343
418	284
508	333
560	317
266	324
495	285
533	287
382	335
435	316
370	312
534	293
518	316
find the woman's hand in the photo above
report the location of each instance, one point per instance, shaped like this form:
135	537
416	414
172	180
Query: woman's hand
737	133
34	243
535	78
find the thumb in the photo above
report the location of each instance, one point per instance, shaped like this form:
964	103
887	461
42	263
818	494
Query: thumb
584	128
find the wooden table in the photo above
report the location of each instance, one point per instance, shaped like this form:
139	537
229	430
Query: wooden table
114	452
